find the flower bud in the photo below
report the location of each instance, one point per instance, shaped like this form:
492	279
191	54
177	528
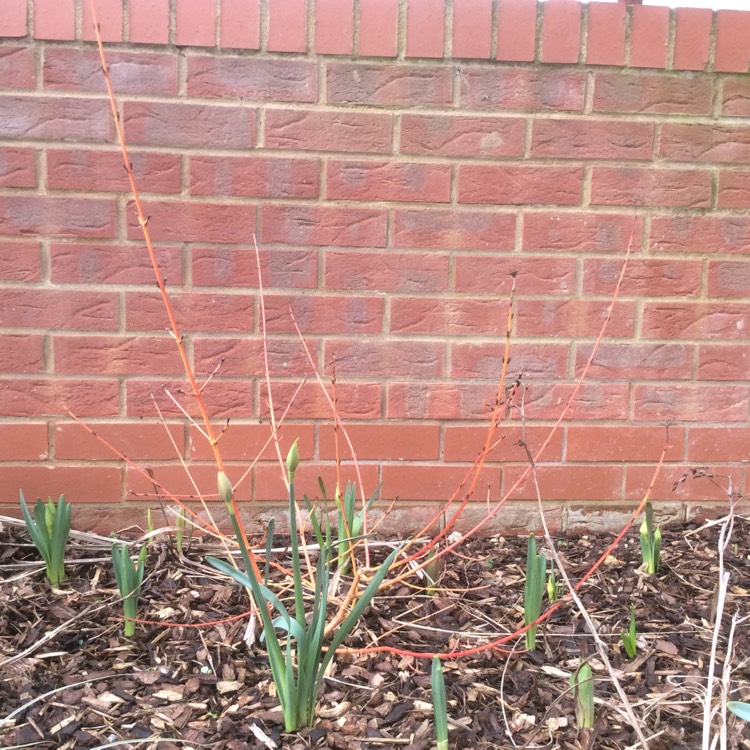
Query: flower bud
225	488
292	460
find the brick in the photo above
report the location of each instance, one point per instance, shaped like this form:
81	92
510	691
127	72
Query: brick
13	22
484	361
637	361
20	261
561	31
269	485
704	143
472	29
464	230
56	308
700	234
56	217
735	100
491	274
388	85
248	442
605	42
251	78
54	19
239	24
569	482
573	318
447	316
324	225
223	399
524	89
442	400
581	232
655	93
109	18
363	132
734	189
195	23
686	402
723	362
728	279
623	443
388	181
418	482
79	484
102	171
378	28
138	442
324	314
78	70
23	442
519	185
462	135
16	67
643	277
20	353
425	29
675	483
334	27
649	34
464	443
396	358
190	221
718	444
257	177
35	397
516	33
73	263
599	401
699	321
387	272
592	139
17	168
732	48
188	125
382	442
692	42
149	21
115	355
630	186
230	267
144	311
245	357
55	119
353	401
287	26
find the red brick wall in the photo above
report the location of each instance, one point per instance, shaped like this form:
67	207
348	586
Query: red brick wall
397	159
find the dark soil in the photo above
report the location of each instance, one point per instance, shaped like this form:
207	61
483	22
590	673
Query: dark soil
70	679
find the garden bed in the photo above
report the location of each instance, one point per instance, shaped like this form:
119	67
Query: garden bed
207	689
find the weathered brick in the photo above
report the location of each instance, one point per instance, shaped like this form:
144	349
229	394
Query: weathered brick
454	229
581	232
57	308
686	402
484	361
704	143
462	135
491	274
20	261
643	277
35	397
188	125
519	185
442	400
257	177
102	171
16	67
633	186
56	217
55	119
323	314
388	181
723	362
17	168
696	320
573	318
251	78
447	317
324	225
640	362
78	70
700	234
245	357
652	93
396	358
116	355
593	401
734	189
223	399
294	130
728	279
525	89
388	85
353	401
20	352
592	139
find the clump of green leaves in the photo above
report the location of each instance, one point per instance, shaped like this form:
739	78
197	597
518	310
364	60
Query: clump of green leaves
629	636
536	569
650	541
439	704
49	530
129	576
582	682
298	664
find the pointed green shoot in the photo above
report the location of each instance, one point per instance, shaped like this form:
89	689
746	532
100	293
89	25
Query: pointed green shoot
129	576
536	568
650	541
629	636
740	709
49	529
439	704
582	681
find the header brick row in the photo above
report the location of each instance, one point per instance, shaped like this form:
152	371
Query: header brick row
556	31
